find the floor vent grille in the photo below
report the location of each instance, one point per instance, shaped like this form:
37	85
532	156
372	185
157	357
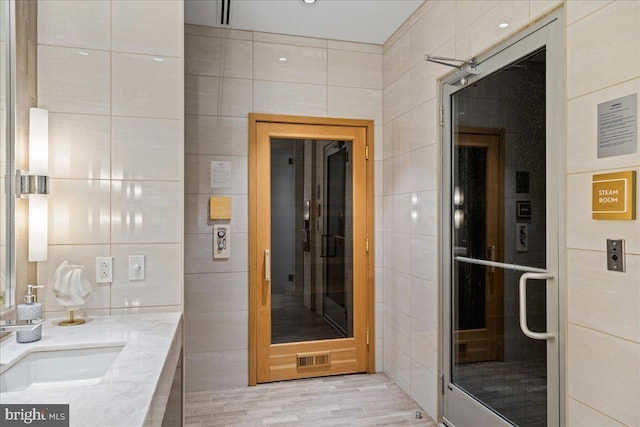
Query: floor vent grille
313	360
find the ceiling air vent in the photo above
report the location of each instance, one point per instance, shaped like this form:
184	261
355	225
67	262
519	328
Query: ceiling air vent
313	360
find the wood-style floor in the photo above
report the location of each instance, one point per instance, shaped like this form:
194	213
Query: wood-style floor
350	400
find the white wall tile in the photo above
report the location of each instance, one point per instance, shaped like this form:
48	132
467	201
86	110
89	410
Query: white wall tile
424	257
355	103
146	212
208	95
146	86
355	47
302	65
150	27
396	60
396	97
88	90
198	175
578	9
224	33
424	168
163	276
355	69
216	331
209	56
599	40
76	255
216	292
424	213
424	302
290	98
216	370
468	11
586	233
432	30
83	24
538	8
79	212
579	415
607	301
217	135
287	39
147	149
484	31
424	388
604	373
198	254
79	146
424	345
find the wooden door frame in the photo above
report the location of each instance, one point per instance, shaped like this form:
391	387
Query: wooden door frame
495	333
254	119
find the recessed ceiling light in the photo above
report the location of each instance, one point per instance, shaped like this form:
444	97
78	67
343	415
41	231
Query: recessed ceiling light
503	25
83	53
158	59
282	59
309	1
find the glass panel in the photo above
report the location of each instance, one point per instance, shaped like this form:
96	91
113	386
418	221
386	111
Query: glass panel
5	275
311	240
499	214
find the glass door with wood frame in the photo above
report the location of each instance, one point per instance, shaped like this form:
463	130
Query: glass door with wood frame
310	250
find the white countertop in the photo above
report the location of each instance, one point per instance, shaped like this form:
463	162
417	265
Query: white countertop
128	393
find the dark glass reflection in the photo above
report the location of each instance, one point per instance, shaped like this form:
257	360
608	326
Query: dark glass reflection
311	243
499	163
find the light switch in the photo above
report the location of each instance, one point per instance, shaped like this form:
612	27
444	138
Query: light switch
221	241
136	267
615	255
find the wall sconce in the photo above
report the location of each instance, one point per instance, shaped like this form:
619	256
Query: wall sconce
35	185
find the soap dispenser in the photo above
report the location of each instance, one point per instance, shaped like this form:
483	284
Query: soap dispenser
30	310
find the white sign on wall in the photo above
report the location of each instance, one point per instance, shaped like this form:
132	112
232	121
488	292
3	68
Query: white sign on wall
220	174
618	126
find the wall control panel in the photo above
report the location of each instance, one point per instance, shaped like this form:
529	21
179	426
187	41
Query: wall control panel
221	241
615	255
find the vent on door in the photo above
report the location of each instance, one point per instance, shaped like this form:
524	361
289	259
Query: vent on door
313	360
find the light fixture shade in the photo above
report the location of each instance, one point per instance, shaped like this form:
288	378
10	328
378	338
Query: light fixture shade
38	165
38	141
38	227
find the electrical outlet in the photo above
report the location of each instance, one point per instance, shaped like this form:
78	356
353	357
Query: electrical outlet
104	269
136	267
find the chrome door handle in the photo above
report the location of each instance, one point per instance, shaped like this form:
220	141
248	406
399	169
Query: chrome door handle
523	306
267	265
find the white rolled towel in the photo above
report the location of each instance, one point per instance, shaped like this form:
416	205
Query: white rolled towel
71	286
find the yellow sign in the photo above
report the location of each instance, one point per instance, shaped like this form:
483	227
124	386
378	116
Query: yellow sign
613	196
220	207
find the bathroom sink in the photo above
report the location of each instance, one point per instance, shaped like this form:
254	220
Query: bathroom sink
58	368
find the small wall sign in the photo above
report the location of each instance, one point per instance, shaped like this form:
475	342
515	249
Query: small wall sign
617	126
613	196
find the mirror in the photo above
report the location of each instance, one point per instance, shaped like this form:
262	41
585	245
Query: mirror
7	165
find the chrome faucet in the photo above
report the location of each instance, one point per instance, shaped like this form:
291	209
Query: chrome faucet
19	325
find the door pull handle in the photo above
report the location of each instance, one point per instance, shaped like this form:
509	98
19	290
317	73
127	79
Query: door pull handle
523	306
267	265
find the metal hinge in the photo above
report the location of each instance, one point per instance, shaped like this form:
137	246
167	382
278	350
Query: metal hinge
441	116
366	152
366	244
367	337
442	385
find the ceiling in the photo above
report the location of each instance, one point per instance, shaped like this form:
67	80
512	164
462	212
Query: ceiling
366	21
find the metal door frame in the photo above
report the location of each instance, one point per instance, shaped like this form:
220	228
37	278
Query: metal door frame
547	32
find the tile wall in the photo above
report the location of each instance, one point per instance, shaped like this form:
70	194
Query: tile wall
603	63
228	75
111	75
